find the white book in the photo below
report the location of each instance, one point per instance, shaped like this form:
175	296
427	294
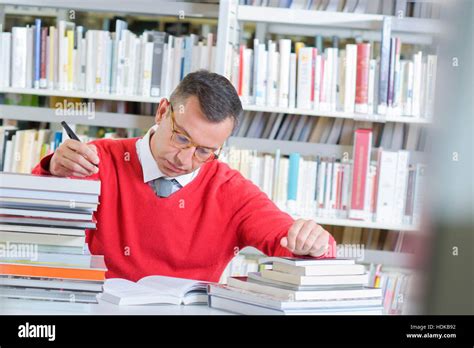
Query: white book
178	55
292	88
100	75
91	42
284	73
317	82
19	54
270	301
305	73
154	290
419	192
261	77
318	270
334	78
325	103
5	49
272	74
358	279
302	262
247	75
255	67
430	86
401	185
42	230
371	102
350	81
329	294
29	57
387	166
47	239
48	183
341	80
417	87
8	159
147	69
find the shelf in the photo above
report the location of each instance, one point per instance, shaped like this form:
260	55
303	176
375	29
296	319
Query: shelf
311	18
80	94
306	149
338	114
149	7
389	258
358	223
103	119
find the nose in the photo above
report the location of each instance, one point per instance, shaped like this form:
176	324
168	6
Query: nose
185	157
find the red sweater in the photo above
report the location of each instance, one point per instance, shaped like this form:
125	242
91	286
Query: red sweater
193	233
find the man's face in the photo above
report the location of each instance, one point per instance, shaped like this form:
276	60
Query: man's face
190	121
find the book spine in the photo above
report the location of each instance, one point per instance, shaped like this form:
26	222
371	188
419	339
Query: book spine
362	151
350	80
363	79
386	187
305	73
292	82
384	66
284	73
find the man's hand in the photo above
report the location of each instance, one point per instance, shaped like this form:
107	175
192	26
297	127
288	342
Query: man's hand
306	237
73	158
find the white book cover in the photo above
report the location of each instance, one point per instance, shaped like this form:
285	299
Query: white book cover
19	53
247	75
29	57
261	86
91	38
387	169
430	86
5	49
350	81
417	87
325	103
371	102
341	80
284	73
401	185
317	82
255	67
292	88
8	161
334	78
272	74
147	68
305	73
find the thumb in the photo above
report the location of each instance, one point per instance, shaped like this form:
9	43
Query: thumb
284	242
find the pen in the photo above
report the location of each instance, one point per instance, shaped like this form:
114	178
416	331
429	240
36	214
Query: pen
72	135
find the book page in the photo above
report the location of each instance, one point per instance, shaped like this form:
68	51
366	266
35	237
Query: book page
170	285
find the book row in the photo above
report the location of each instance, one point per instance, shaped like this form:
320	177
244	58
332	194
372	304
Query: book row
71	58
327	130
399	8
387	190
289	74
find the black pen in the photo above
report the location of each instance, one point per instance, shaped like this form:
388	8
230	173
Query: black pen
72	135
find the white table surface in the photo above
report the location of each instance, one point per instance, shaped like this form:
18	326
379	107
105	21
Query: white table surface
35	307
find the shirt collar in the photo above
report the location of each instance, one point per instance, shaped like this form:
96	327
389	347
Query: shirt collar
150	168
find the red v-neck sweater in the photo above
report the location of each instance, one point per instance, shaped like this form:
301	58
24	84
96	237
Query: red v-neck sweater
193	233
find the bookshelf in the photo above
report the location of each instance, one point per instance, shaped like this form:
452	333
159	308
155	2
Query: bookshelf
338	114
232	17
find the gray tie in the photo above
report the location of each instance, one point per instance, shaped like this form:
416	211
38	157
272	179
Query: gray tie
164	187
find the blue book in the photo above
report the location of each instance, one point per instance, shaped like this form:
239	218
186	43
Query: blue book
58	138
37	56
384	65
293	173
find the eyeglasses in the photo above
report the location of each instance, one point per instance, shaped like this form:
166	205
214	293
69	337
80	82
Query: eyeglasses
182	141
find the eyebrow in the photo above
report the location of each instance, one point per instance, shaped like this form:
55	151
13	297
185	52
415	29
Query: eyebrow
189	136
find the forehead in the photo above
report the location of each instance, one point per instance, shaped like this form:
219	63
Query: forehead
191	119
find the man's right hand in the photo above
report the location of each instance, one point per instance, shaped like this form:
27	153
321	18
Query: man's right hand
73	158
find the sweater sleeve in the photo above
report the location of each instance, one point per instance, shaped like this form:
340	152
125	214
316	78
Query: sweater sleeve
42	168
260	223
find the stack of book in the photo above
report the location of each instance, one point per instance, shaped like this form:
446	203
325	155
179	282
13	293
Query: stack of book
299	286
43	254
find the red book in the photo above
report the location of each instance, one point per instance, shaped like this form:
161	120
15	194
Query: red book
44	35
361	162
362	77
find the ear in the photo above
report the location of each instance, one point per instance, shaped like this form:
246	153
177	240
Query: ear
161	110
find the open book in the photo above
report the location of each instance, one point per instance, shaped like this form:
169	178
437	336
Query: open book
155	290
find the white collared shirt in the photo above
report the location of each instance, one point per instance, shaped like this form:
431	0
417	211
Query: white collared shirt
150	168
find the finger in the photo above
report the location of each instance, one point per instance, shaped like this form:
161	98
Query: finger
88	151
303	234
310	240
65	172
284	242
73	167
321	245
293	232
80	160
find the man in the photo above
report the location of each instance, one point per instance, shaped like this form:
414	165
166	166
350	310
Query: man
168	206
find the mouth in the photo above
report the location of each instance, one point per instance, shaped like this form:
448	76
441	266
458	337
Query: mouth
173	168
